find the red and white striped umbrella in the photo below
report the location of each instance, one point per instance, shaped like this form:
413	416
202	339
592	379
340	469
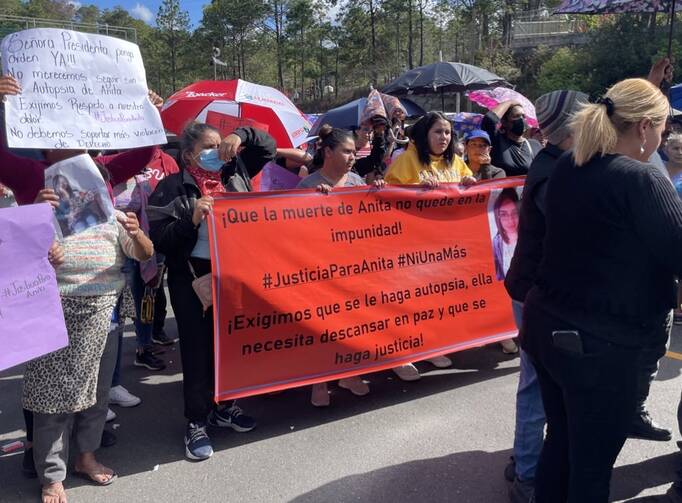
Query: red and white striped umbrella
231	103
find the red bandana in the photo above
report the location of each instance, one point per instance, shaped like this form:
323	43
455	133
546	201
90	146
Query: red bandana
209	182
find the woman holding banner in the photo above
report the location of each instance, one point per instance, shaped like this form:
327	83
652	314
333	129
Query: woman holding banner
336	158
605	288
177	217
430	159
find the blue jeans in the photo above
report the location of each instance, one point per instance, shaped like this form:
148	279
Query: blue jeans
530	413
143	331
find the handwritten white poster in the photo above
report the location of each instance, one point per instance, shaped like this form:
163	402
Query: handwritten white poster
79	91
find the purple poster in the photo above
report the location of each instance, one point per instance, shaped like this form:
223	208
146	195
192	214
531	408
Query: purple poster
275	177
31	317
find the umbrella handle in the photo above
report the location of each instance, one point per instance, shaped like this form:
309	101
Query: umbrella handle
670	31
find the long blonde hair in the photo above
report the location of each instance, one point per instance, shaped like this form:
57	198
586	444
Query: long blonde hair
597	126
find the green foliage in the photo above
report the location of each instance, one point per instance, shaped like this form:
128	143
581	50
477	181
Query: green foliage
561	71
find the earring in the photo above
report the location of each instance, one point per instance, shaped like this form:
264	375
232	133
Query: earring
641	148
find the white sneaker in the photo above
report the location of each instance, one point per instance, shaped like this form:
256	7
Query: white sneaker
111	415
118	395
441	362
407	372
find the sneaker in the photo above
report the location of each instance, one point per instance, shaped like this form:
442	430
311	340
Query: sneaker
163	339
120	396
522	491
197	444
28	466
355	385
319	396
441	362
407	372
146	358
509	347
111	415
231	417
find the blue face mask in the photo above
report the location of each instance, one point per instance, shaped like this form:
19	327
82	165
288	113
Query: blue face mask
208	159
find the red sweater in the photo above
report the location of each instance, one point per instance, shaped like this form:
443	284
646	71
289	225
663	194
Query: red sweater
26	177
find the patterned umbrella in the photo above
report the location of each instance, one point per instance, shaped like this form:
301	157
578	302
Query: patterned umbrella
463	122
612	6
490	98
620	7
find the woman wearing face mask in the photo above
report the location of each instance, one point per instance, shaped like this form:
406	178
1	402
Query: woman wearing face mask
605	288
511	151
335	158
177	218
429	160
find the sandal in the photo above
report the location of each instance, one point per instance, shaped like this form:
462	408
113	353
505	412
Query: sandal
51	491
91	477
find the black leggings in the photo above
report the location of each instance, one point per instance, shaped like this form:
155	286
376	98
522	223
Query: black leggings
28	421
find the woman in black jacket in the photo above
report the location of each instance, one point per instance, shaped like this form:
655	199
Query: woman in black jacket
605	288
177	211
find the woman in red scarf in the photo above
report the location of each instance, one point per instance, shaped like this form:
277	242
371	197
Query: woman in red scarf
178	228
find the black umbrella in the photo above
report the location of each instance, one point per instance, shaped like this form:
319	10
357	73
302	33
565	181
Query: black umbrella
444	77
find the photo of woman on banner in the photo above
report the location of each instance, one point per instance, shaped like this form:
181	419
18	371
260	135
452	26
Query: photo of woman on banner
84	200
77	210
505	210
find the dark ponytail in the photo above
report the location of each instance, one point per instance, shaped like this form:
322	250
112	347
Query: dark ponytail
330	138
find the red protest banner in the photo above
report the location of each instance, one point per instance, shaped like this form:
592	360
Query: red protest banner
226	124
311	287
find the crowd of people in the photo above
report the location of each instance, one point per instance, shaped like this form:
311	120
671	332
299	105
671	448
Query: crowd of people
589	256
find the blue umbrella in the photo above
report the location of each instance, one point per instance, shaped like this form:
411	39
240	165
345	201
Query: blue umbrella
348	116
676	96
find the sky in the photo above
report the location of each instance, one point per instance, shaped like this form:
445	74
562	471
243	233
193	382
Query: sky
146	10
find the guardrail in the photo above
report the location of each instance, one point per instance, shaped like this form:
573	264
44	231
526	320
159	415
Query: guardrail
10	24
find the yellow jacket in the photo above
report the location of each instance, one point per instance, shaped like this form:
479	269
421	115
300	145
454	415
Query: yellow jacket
407	169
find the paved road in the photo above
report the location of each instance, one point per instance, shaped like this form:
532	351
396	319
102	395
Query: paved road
445	438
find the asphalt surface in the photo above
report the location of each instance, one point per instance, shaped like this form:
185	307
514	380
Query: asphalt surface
446	438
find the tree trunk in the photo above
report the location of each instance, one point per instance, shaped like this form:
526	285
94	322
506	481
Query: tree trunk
372	24
410	35
278	41
172	48
421	32
302	64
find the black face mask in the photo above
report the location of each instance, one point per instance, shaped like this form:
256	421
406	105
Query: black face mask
518	126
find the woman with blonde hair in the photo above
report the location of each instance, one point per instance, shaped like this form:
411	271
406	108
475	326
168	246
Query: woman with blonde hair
605	288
